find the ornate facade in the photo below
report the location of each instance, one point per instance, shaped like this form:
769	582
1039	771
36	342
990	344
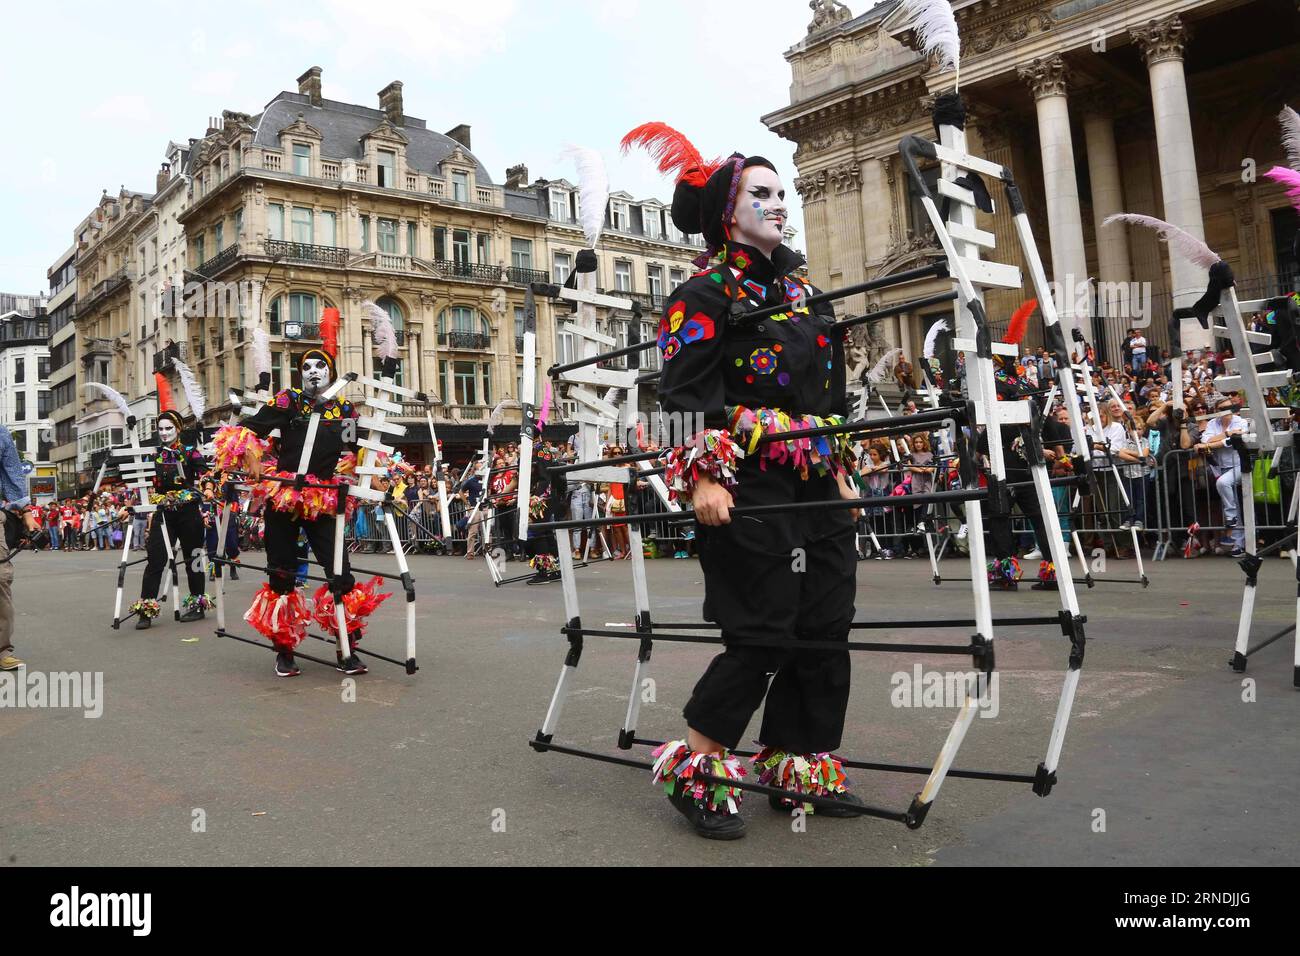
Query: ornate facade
1160	107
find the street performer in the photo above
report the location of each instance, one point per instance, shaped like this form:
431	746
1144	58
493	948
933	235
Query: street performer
308	502
178	467
726	380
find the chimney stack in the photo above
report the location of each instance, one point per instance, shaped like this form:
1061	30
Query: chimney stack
517	177
460	134
164	177
309	85
390	101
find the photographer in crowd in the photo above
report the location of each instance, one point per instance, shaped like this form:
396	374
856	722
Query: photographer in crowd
13	488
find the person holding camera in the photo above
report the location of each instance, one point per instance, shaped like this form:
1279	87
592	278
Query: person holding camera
18	505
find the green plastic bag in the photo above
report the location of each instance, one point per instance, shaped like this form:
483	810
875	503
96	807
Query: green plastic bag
1268	491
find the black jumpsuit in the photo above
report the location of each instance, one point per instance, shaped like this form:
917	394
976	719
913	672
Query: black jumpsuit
779	576
1011	387
177	469
290	411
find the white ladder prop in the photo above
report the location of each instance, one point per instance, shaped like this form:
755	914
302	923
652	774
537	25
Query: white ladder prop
1247	377
137	474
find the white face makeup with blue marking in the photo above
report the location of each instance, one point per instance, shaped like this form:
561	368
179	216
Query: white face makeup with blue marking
760	215
315	375
166	431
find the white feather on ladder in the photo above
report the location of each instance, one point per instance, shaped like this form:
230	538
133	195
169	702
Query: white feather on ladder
876	374
381	330
932	338
593	190
935	27
1290	121
261	352
1180	241
193	390
114	396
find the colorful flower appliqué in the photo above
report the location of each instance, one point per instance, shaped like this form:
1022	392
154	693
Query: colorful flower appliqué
763	361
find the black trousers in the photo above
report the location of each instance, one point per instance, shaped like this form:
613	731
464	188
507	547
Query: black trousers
186	523
786	577
282	551
232	535
1002	541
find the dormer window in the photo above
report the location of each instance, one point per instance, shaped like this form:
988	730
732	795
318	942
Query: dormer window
618	216
559	205
460	186
650	221
387	174
301	159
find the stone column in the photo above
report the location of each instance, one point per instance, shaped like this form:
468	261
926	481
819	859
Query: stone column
1113	266
1161	42
1047	78
846	187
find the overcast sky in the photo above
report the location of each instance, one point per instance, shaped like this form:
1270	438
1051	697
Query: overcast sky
94	91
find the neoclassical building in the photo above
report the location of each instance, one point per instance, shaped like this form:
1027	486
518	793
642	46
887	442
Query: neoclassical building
1161	107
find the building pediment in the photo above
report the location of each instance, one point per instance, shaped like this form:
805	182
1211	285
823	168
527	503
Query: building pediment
388	133
301	128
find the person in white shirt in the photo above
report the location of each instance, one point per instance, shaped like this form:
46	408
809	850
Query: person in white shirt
1139	346
1225	465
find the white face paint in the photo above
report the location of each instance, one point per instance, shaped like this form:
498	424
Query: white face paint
166	431
760	215
315	375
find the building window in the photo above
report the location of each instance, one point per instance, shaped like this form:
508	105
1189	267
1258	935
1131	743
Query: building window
239	229
519	327
460	187
563	266
462	319
484	248
676	277
466	374
487	383
559	205
277	370
521	253
365	233
20	372
328	229
650	221
20	440
460	246
302	225
623	276
387	168
394	310
439	242
655	282
20	406
411	248
387	232
199	257
618	216
442	380
301	159
219	234
275	220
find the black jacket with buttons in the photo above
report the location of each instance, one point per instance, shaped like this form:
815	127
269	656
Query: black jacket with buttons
712	362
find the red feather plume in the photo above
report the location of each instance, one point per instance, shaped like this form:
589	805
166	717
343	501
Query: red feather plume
674	152
165	402
1019	323
329	332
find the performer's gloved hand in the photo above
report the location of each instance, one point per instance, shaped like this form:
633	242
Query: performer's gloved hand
712	502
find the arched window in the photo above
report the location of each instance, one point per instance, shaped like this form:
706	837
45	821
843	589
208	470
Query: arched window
464	327
300	309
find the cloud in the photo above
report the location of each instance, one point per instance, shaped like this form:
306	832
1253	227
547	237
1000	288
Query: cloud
214	82
123	108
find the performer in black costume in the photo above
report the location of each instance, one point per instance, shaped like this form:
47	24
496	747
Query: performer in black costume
541	545
178	467
784	576
221	494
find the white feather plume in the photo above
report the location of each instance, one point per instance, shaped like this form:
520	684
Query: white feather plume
1290	121
261	352
113	395
193	390
878	371
1181	242
381	330
936	29
498	414
932	338
593	190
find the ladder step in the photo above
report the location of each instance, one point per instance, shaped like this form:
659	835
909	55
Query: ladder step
956	193
389	387
375	424
370	470
596	298
132	452
381	405
1257	359
1260	338
369	494
1273	411
965	233
1233	383
995	275
946	154
374	445
572	328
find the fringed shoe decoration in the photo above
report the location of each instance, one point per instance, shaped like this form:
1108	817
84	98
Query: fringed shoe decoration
680	771
281	617
817	775
358	605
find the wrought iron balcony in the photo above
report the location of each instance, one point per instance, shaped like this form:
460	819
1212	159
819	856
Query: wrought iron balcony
310	330
162	359
474	341
305	252
481	272
220	261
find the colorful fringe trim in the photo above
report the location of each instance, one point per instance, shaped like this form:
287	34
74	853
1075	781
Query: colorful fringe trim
826	454
306	504
238	449
174	499
1047	572
816	775
204	602
1008	569
147	608
710	452
544	563
281	617
675	763
358	605
537	507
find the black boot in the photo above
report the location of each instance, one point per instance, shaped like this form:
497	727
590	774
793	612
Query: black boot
143	623
847	799
195	613
352	664
285	666
234	573
710	824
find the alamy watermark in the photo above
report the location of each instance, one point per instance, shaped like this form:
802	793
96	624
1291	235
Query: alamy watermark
57	690
1129	301
935	689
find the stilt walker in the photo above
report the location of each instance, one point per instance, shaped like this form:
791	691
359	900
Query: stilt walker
178	467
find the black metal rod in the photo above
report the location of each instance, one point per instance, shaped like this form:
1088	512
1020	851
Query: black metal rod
910	422
556	370
617	460
271	647
871	625
936	270
783	645
899	309
1269	640
833	504
351	567
357	650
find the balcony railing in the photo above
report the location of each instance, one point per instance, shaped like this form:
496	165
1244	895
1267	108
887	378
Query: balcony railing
475	341
162	360
305	252
310	330
102	288
481	272
220	261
